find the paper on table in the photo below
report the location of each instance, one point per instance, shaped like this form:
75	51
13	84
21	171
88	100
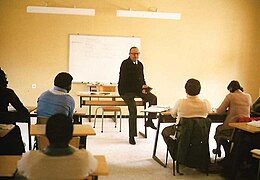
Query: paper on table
157	108
254	123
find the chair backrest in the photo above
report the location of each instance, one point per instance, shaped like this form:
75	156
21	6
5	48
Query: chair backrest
192	142
43	142
107	88
42	120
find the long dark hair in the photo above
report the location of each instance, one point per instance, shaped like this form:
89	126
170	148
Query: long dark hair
233	86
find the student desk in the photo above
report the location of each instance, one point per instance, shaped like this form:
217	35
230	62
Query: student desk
256	154
105	99
9	164
79	113
165	117
246	137
79	130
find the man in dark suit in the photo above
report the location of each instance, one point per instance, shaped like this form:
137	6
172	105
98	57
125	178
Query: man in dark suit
132	84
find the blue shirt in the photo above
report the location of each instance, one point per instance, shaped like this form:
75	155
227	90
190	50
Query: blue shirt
54	101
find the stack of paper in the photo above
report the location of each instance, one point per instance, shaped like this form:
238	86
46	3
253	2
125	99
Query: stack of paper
254	123
157	108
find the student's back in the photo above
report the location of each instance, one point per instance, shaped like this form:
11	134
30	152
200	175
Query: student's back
38	165
58	160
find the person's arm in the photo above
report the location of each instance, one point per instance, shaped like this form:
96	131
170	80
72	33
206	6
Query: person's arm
72	105
174	110
22	111
223	106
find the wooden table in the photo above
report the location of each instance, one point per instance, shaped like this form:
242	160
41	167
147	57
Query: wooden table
242	131
9	164
90	99
245	127
79	130
102	169
256	154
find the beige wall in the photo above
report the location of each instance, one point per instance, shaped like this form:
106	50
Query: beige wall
216	41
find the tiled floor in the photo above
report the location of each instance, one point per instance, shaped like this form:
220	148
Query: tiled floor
127	161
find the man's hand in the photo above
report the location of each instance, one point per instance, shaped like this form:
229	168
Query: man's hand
145	89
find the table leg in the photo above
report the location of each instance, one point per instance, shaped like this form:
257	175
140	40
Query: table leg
155	144
145	128
29	135
89	113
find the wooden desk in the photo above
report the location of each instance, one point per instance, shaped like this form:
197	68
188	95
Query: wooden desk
245	127
79	130
9	164
112	99
244	134
102	169
256	154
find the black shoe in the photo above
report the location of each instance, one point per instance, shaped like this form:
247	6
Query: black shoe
150	124
132	140
217	151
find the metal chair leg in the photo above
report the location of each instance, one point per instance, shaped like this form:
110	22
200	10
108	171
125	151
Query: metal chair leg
95	117
120	120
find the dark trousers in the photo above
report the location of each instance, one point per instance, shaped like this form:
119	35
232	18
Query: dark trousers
129	99
12	143
166	132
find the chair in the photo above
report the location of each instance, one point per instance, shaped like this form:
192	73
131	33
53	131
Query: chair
191	146
114	109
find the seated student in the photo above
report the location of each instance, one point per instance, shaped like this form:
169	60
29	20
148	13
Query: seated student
192	106
59	160
57	99
11	144
237	104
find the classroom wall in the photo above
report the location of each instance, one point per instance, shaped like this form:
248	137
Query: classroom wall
215	41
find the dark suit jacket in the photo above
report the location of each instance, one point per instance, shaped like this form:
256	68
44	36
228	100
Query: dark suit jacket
192	142
131	77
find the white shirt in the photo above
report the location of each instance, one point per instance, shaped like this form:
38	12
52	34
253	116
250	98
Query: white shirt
190	107
36	165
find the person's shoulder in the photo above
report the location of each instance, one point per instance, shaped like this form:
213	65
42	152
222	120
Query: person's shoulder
126	61
9	90
32	154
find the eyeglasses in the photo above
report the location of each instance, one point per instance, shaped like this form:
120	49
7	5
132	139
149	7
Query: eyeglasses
135	53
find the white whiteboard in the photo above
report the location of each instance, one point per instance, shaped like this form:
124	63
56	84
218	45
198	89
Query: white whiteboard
98	58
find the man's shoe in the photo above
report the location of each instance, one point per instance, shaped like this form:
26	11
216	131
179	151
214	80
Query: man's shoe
132	140
150	124
217	151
